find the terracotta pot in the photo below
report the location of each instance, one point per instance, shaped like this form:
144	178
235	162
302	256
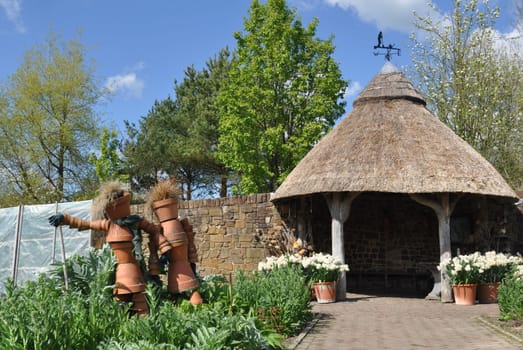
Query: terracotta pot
464	294
128	279
325	292
173	231
123	252
166	209
196	298
488	293
119	207
119	234
180	275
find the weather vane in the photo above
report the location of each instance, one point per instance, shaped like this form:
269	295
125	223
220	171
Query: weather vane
390	49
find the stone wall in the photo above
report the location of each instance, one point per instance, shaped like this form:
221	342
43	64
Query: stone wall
389	239
230	233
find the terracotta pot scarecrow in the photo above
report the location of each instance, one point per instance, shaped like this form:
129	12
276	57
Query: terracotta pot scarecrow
182	258
123	233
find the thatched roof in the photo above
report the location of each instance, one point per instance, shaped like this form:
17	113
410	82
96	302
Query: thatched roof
390	142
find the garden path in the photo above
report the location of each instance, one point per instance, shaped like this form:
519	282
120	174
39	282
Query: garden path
365	322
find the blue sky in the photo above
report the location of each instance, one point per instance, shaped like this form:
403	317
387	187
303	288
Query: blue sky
141	47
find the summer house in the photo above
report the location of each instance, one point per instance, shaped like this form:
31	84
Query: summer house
391	190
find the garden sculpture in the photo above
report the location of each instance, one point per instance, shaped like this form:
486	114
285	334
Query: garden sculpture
182	258
123	233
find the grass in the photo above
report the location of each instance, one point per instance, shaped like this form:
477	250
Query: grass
511	328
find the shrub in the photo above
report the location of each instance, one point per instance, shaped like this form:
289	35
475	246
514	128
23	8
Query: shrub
279	297
510	296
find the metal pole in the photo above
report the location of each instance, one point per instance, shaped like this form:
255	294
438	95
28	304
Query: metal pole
63	259
54	238
16	254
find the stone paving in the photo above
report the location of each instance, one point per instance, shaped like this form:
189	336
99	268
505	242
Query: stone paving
365	322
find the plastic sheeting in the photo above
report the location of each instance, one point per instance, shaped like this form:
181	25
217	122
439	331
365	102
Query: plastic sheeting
30	245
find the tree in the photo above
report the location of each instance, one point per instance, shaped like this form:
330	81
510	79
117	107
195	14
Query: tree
107	164
196	100
282	96
178	137
145	149
472	84
48	124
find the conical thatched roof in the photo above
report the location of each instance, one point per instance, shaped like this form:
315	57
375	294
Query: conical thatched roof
390	142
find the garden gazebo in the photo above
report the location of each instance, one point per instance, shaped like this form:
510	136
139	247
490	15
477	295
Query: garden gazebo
390	143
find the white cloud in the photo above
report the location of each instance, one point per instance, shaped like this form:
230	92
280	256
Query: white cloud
128	84
511	42
13	9
353	89
390	14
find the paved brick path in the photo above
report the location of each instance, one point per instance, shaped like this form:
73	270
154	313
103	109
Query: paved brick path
374	323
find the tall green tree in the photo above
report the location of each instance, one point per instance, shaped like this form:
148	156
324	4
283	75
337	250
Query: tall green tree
178	137
48	124
473	82
145	149
108	163
283	94
196	100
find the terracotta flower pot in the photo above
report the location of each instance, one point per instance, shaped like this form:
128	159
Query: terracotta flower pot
325	292
119	207
464	294
166	209
488	293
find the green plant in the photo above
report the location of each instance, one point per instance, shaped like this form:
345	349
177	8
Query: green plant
42	314
510	295
279	297
91	273
215	289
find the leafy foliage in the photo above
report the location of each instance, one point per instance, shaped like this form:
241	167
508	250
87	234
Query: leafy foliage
178	137
510	297
91	273
43	315
48	125
278	297
108	164
472	82
281	97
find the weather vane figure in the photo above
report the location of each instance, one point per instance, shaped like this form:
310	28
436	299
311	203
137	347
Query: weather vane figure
389	49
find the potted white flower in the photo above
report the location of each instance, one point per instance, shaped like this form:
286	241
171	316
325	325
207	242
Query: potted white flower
494	267
322	270
463	272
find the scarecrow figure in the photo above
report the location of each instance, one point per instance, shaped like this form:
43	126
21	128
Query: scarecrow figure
182	258
124	236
